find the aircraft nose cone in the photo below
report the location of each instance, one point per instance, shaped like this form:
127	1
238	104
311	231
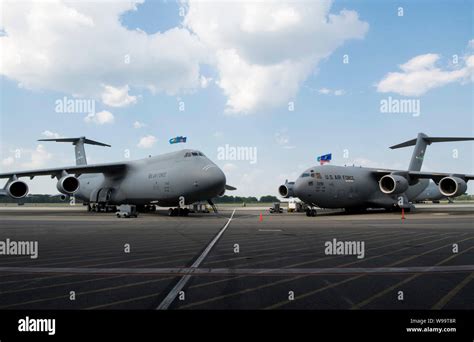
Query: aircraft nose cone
212	180
298	187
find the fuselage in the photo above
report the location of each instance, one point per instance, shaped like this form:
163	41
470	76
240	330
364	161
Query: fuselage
186	176
330	186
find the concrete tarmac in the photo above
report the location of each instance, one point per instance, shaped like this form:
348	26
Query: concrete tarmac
254	260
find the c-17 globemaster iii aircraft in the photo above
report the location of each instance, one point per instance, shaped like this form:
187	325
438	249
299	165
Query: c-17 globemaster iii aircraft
173	179
359	188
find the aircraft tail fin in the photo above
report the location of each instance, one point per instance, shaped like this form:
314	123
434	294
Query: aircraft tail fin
420	143
78	147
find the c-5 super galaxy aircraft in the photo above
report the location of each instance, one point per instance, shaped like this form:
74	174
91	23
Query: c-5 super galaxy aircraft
359	188
168	180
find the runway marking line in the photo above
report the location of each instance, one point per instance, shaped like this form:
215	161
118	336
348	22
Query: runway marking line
300	277
445	300
285	244
302	263
86	292
93	280
403	282
360	276
164	305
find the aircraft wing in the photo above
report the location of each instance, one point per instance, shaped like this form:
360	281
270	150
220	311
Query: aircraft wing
435	176
110	168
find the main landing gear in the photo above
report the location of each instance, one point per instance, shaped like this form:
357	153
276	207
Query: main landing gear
310	212
178	212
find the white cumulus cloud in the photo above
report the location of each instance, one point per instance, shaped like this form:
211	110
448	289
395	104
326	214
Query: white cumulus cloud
100	118
336	92
51	135
147	141
38	157
263	51
8	161
77	46
138	124
117	97
420	74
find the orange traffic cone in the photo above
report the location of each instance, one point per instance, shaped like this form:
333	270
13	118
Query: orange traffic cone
403	213
261	217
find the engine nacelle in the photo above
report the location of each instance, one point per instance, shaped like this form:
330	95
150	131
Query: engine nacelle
17	189
393	184
68	184
286	190
452	186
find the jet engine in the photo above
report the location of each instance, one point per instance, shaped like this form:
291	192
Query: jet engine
393	184
286	190
452	186
68	184
17	189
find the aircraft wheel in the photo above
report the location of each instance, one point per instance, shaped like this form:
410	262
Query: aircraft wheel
313	212
170	212
175	212
308	212
185	212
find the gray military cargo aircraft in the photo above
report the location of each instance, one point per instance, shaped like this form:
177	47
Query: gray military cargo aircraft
431	193
173	179
359	188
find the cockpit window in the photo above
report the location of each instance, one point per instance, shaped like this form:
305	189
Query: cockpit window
193	154
305	175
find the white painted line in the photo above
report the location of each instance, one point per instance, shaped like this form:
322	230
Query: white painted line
269	230
190	271
182	282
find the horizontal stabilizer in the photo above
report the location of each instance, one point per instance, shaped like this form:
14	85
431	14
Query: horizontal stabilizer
229	187
78	147
420	143
76	140
430	140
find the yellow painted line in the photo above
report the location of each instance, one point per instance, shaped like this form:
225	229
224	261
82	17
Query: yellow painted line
80	294
120	302
445	300
288	244
299	277
356	277
403	282
293	265
60	284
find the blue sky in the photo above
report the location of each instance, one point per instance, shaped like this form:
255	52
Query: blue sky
337	105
